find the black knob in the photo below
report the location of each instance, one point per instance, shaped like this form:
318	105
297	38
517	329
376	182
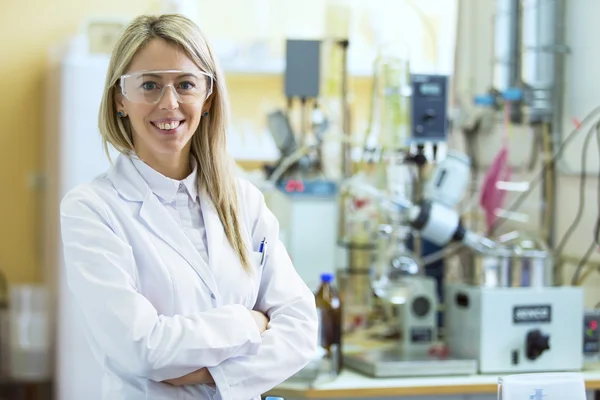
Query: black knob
536	343
429	116
421	306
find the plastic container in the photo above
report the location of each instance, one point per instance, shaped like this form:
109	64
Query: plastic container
29	345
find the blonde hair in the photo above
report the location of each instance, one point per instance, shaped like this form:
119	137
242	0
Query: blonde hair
208	145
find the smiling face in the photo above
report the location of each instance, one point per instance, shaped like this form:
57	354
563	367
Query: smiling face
164	108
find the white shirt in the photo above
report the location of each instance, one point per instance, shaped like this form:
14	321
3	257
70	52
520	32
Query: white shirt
181	200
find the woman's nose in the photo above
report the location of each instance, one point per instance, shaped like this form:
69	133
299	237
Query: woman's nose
169	99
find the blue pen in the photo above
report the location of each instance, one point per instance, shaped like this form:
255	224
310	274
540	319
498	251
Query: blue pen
263	250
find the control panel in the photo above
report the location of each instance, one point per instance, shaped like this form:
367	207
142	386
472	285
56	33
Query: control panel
591	334
429	114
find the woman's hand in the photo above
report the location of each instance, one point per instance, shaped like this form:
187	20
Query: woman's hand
199	377
261	320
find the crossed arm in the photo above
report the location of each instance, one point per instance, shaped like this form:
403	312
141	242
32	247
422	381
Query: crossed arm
203	376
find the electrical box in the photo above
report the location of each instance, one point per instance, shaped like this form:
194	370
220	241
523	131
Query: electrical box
302	68
591	334
429	114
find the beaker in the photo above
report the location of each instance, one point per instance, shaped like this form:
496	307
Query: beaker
390	108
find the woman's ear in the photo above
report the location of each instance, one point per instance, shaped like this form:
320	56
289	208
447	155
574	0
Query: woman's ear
118	97
208	103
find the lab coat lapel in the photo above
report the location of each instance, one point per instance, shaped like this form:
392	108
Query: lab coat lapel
164	226
215	235
132	187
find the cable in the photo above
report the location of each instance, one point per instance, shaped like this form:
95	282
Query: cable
534	182
549	171
576	280
581	205
597	225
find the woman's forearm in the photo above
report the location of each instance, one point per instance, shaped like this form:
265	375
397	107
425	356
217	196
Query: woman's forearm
203	376
199	377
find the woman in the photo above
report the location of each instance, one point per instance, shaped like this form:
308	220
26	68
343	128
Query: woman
184	288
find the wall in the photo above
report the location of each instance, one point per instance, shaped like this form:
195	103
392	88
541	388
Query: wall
28	28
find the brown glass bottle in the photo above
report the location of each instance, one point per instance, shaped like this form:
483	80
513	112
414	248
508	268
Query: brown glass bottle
329	308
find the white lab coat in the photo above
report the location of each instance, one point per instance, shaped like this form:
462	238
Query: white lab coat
153	310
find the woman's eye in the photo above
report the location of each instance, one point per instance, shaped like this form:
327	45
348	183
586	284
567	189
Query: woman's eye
148	85
186	85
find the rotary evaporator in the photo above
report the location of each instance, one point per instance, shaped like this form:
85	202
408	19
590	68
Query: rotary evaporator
506	316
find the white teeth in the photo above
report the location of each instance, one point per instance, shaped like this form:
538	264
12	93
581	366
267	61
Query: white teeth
168	126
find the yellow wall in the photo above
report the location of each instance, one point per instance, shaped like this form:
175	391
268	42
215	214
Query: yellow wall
28	28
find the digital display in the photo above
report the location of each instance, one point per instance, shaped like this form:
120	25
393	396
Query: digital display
430	89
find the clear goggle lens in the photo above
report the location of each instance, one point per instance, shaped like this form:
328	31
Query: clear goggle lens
148	87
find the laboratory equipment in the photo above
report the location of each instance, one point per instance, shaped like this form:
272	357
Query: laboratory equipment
302	68
507	315
433	219
429	108
412	355
591	335
414	294
393	362
389	121
302	192
415	302
542	386
388	131
449	180
516	329
311	245
518	260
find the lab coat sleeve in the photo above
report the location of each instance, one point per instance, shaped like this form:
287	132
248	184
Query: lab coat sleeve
101	273
290	341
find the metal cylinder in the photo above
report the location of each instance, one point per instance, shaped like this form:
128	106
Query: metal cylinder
539	49
507	59
508	268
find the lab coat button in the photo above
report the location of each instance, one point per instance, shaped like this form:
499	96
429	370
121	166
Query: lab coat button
213	296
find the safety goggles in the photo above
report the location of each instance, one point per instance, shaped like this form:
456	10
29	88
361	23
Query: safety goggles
148	87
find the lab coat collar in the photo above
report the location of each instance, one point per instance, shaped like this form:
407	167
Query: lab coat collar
130	184
165	187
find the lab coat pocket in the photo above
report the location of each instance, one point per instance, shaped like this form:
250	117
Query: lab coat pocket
257	260
256	263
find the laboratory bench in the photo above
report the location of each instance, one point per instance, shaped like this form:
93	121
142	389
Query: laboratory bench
353	385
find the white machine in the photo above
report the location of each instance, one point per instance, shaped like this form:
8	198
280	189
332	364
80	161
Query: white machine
417	317
311	245
516	329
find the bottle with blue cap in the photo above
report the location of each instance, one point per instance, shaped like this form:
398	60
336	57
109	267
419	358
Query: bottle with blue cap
274	398
329	309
